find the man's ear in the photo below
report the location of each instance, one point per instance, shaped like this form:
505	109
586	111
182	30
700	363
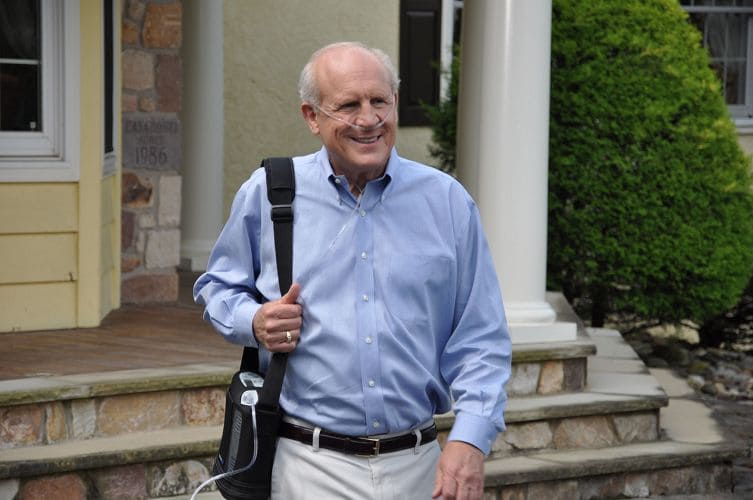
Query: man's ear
309	114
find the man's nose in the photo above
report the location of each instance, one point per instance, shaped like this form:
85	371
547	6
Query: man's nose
367	116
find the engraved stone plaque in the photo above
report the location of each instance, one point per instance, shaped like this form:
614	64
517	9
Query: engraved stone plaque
151	142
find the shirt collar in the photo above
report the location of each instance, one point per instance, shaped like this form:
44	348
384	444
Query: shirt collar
384	181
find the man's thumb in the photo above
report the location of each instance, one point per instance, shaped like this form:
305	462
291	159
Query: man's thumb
292	295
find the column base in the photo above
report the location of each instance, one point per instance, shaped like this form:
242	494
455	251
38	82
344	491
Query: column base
537	322
526	333
194	255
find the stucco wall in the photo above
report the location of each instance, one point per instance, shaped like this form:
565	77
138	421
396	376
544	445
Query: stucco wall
265	48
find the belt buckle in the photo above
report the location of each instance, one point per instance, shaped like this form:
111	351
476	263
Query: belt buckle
375	443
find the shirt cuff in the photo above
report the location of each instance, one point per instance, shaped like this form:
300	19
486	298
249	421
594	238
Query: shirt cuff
474	430
243	319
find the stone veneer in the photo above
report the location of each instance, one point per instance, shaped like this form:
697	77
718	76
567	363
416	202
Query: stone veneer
57	421
151	188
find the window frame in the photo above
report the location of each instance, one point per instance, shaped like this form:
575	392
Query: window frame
741	114
51	154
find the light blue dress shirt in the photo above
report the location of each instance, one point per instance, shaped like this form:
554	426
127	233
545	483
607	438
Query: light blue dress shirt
402	312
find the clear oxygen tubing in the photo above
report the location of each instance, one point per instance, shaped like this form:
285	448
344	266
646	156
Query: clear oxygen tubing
360	128
236	471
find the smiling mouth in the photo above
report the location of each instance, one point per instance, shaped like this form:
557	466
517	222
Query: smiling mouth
366	140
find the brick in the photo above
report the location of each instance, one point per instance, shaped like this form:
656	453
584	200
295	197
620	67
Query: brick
636	485
55	422
138	69
129	263
599	487
203	407
528	436
137	412
513	493
136	9
554	490
20	426
64	487
169	83
575	375
147	104
126	482
177	478
636	428
169	200
129	103
147	221
127	229
83	418
129	34
136	192
147	288
162	249
524	379
163	26
551	380
584	432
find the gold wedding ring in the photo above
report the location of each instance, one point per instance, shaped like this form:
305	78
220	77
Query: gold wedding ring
288	337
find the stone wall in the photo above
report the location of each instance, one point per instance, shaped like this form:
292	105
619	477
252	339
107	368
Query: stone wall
151	189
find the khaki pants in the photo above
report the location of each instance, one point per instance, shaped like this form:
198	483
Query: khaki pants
302	473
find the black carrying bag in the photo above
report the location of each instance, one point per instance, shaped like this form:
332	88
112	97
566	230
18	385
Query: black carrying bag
252	412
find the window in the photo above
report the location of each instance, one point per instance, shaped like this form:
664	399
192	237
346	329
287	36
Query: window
420	37
39	103
727	30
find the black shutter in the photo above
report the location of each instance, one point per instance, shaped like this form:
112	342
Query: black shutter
420	33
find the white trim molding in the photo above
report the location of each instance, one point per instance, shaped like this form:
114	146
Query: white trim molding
51	155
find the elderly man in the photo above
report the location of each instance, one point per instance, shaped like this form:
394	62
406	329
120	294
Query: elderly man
395	314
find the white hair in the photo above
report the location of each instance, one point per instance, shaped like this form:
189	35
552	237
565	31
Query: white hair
308	88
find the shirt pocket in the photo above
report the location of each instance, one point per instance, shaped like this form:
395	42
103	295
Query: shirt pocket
419	288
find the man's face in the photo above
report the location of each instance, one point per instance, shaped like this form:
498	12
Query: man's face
354	89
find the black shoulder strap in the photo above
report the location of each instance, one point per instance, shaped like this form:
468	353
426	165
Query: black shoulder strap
280	191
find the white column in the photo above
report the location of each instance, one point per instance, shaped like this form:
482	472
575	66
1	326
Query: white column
202	207
503	134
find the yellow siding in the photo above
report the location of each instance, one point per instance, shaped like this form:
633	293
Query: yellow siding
38	208
60	242
37	306
34	258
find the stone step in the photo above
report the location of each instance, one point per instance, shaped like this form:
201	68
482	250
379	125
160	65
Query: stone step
48	410
629	471
173	462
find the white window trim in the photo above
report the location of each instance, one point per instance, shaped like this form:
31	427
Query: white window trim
52	156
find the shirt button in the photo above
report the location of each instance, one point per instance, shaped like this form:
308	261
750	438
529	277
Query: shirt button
363	255
375	424
372	383
337	181
363	213
365	298
368	340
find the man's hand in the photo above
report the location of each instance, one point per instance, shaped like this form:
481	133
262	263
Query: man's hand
460	472
277	324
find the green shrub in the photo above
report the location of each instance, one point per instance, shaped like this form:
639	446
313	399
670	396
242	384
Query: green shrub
650	210
650	206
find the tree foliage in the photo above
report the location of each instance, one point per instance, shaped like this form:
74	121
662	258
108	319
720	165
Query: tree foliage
650	206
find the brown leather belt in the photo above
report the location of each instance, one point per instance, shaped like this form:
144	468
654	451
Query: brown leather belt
361	446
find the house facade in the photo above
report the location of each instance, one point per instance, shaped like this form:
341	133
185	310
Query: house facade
59	166
149	114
